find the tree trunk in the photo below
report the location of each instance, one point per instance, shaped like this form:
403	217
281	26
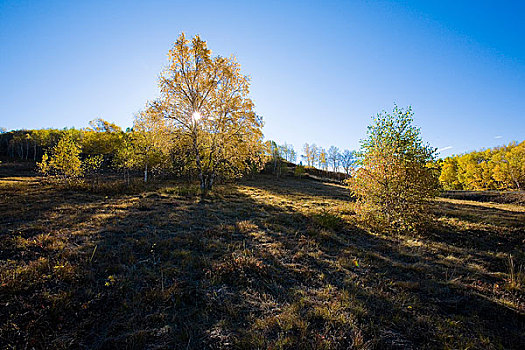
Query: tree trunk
514	178
126	176
210	181
146	173
202	176
206	183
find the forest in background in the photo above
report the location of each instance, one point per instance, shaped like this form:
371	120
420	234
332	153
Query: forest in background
498	168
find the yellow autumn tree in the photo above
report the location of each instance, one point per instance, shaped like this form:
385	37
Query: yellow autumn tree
449	174
147	147
205	98
323	163
64	162
101	138
509	166
309	155
499	168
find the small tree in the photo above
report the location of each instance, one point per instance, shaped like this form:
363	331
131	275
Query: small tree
287	152
299	171
393	182
322	160
102	137
509	165
449	174
125	158
308	154
91	167
147	147
334	157
64	162
276	154
152	140
292	155
315	154
347	160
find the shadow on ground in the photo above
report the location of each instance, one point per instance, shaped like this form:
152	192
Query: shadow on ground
256	265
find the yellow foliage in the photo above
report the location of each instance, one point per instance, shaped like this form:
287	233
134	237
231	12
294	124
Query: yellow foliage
205	99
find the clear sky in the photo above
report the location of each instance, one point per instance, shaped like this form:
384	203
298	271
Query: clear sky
319	69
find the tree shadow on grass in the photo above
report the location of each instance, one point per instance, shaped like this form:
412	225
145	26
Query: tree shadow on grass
300	189
234	271
35	211
17	171
248	279
509	217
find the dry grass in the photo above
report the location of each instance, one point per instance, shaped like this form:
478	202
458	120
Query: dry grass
267	263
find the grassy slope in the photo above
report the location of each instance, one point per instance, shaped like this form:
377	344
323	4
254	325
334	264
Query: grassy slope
262	264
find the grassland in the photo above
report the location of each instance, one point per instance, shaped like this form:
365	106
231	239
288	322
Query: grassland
264	263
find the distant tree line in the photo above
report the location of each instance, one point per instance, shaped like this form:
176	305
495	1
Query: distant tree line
333	159
331	164
499	168
100	138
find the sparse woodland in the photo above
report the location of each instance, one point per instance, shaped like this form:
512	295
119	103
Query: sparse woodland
191	231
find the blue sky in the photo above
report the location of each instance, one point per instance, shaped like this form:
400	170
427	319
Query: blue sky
319	69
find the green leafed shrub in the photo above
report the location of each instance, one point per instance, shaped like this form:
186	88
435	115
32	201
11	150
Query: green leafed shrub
64	162
394	180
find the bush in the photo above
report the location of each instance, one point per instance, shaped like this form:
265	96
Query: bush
328	220
394	180
64	162
299	171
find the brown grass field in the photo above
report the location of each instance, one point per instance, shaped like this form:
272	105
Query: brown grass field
262	264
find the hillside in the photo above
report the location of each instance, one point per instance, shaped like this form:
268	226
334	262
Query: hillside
265	263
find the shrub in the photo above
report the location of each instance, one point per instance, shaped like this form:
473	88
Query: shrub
299	171
394	181
91	167
64	162
328	220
